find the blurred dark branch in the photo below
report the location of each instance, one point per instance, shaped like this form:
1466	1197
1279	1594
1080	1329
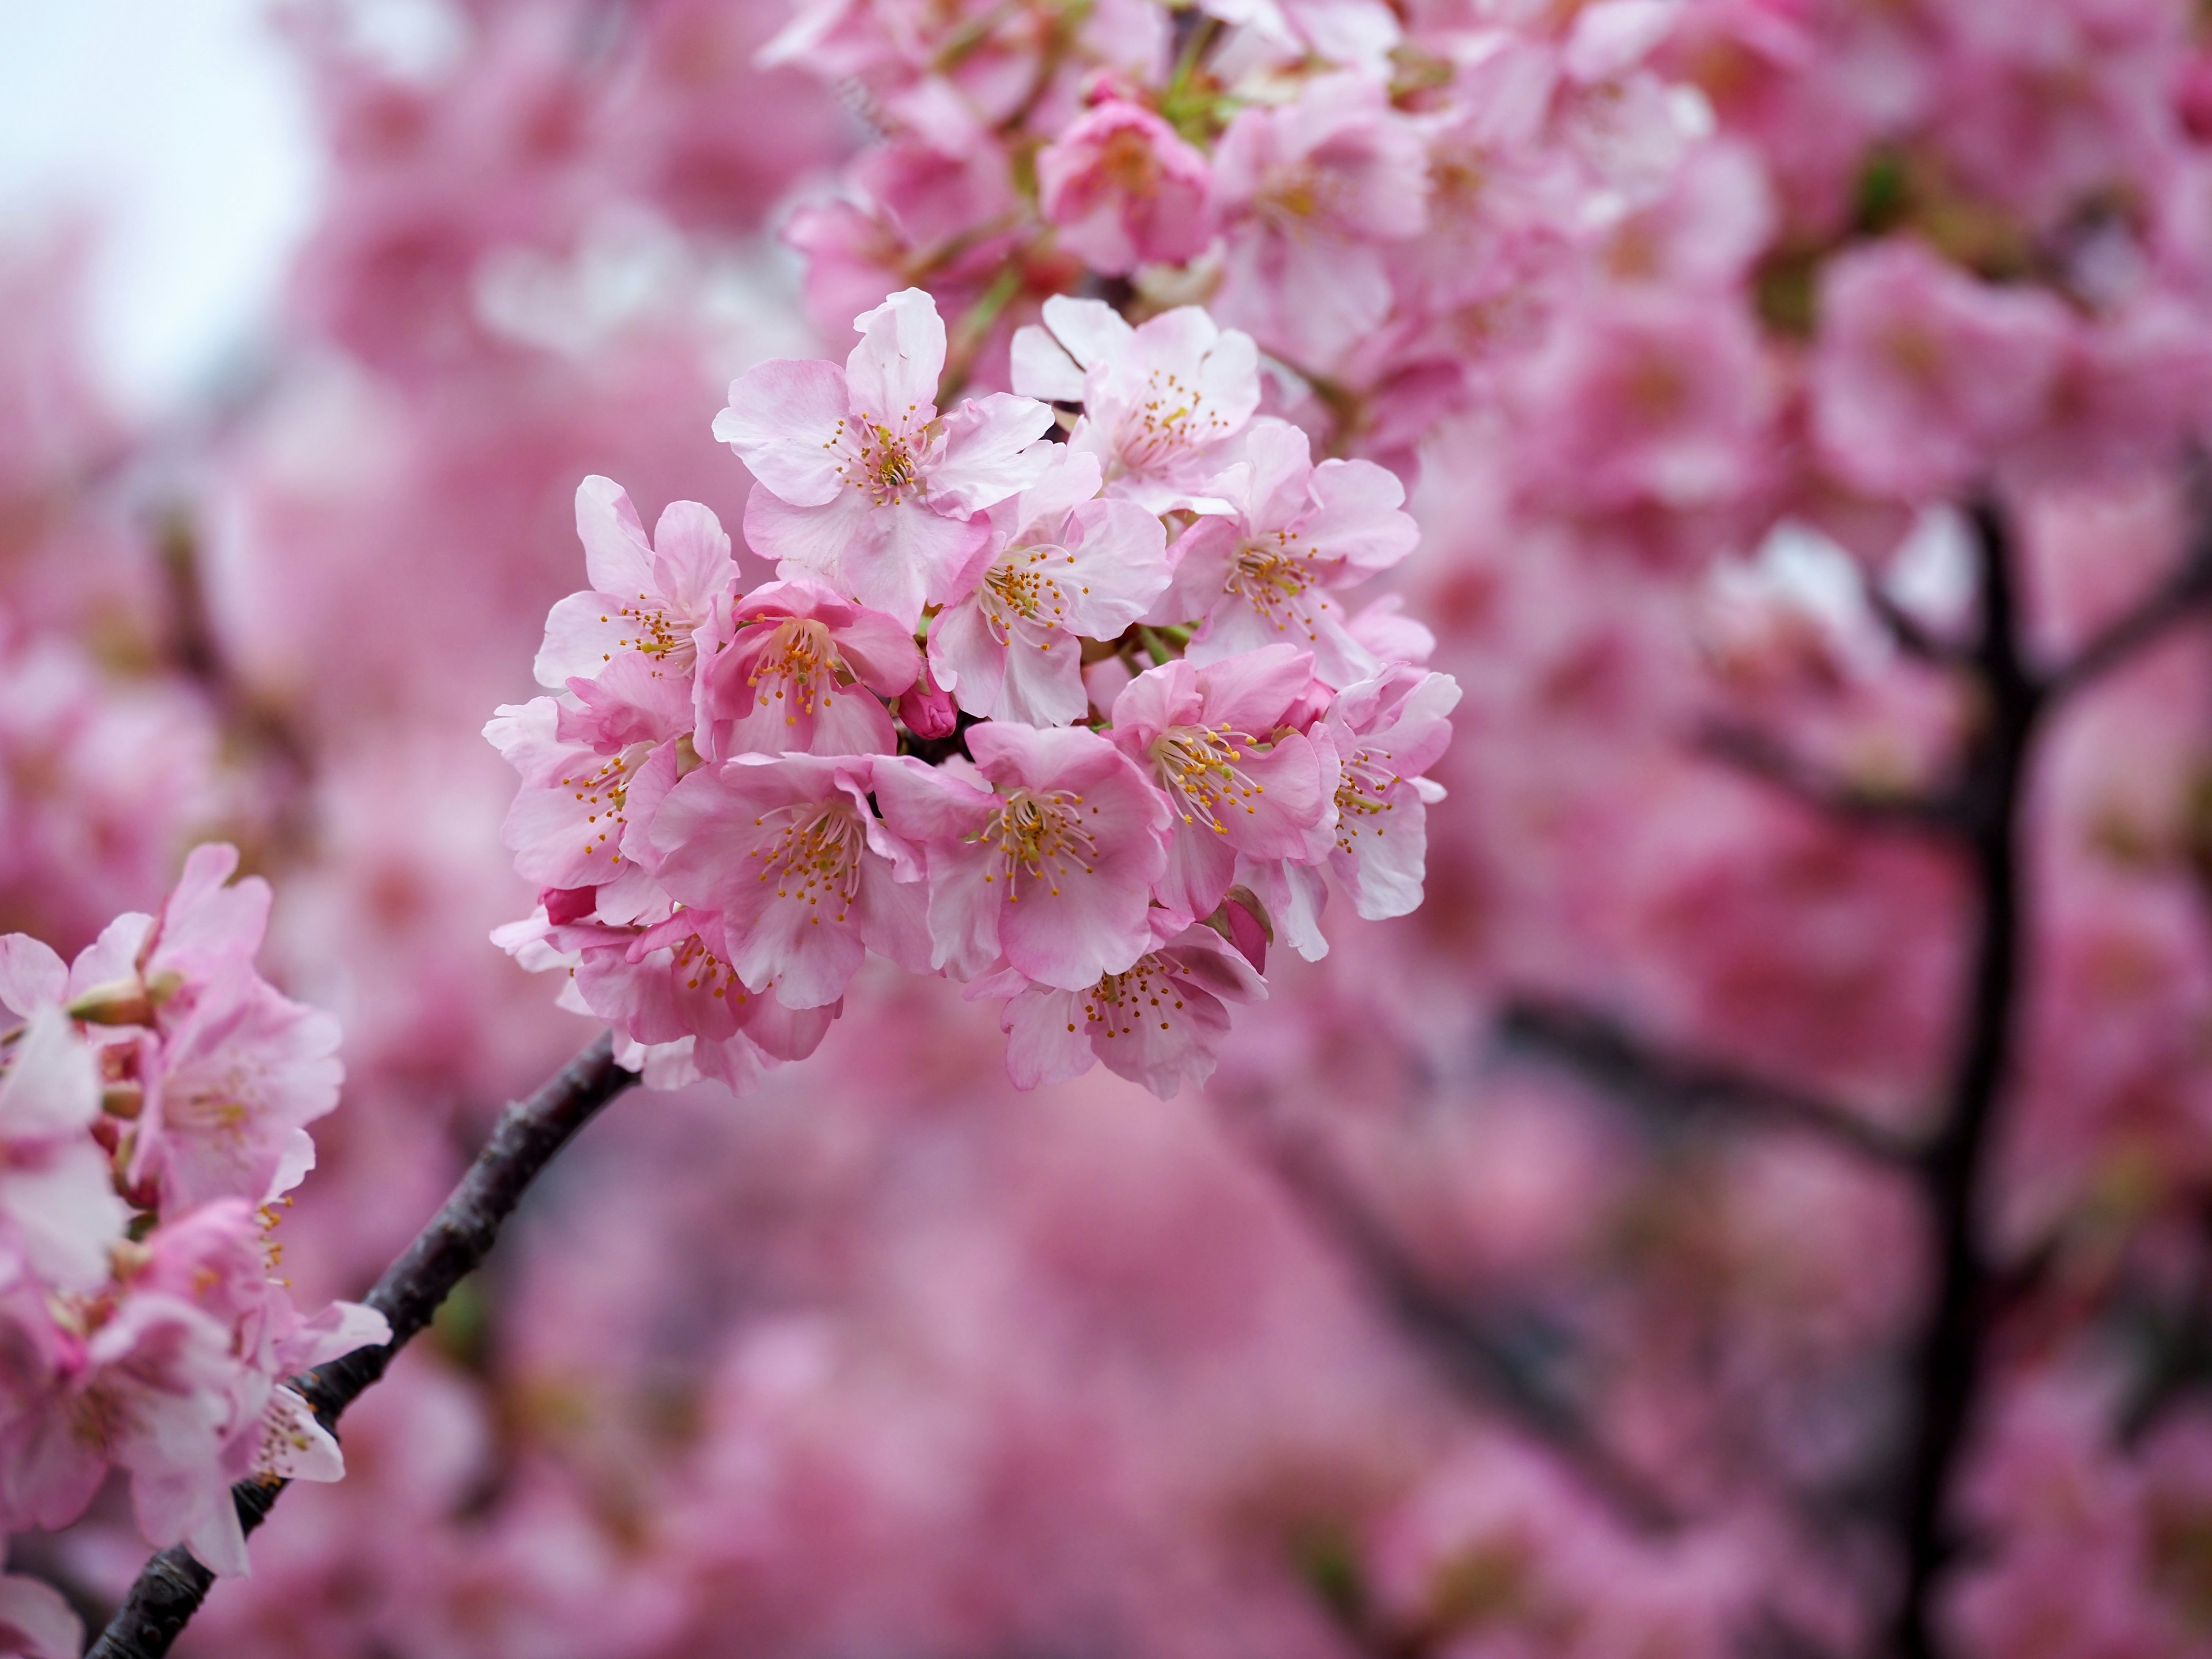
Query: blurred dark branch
172	1586
1910	634
1948	1367
1474	1354
1610	1055
2180	597
1937	813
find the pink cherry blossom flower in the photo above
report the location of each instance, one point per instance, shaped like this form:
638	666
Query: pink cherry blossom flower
1309	192
176	1378
1922	375
670	991
862	483
230	1072
1044	853
1386	732
1066	568
56	1195
1243	782
568	819
1159	401
1160	1022
646	598
792	667
804	879
1125	190
1265	572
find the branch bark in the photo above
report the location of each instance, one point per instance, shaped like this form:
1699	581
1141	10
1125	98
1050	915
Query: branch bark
1610	1055
172	1585
1948	1367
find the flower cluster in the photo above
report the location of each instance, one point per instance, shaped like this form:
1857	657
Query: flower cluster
1390	198
153	1099
1079	724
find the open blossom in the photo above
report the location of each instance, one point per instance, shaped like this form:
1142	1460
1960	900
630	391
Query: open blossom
794	667
569	818
1922	373
1160	1022
646	597
1265	572
805	882
1125	190
178	1382
1387	733
1044	853
670	991
220	1072
1066	568
1310	192
861	482
1244	783
1160	401
56	1193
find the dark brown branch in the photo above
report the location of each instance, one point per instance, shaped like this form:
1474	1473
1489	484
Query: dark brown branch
1910	634
1940	813
1948	1367
1610	1055
171	1587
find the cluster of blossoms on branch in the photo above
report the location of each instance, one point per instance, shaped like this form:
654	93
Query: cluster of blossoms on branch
154	1106
1081	724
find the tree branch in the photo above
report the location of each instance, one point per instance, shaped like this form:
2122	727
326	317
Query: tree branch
1612	1056
172	1586
1469	1351
2173	601
1948	1367
1940	813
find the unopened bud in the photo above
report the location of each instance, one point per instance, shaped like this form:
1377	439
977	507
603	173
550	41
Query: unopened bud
118	1002
124	1099
928	712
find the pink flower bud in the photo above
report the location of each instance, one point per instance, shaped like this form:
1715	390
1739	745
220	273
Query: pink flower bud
927	711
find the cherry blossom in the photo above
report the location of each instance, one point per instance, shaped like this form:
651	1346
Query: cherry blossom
1265	572
648	599
1063	568
861	482
1160	1023
804	878
1243	782
1044	853
1125	190
1160	401
792	666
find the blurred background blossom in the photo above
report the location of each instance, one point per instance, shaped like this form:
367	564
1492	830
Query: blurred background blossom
1550	1275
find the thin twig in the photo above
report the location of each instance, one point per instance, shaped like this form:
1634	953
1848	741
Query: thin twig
1608	1054
1468	1350
1911	636
1928	813
2181	596
172	1586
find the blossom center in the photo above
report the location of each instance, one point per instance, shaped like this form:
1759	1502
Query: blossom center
1020	587
1119	1002
1363	794
798	667
1040	833
815	855
1197	767
604	793
1272	576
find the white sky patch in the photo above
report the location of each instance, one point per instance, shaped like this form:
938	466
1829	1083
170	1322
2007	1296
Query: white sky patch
182	126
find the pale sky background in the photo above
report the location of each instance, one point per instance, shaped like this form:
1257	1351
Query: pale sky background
182	125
